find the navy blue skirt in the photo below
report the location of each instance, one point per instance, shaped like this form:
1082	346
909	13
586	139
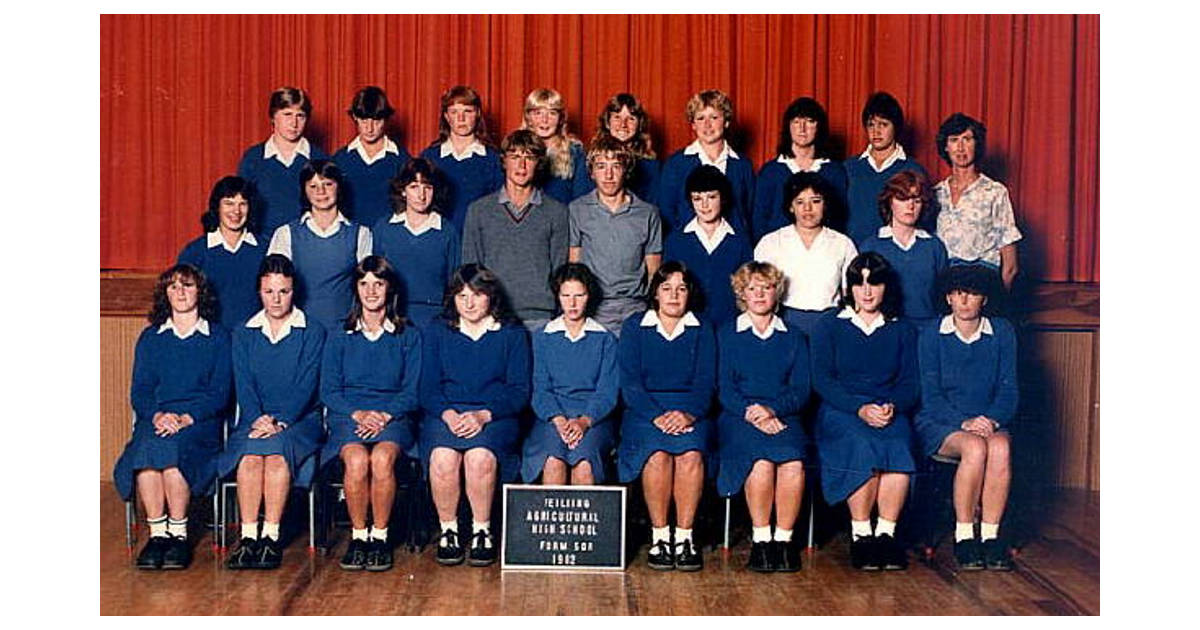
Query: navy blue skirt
500	436
640	439
852	451
806	321
193	451
296	444
341	432
544	442
742	445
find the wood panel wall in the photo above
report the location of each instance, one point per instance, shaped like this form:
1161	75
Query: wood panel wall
118	334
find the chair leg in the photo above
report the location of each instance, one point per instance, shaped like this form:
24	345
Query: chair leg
812	510
312	541
728	509
130	516
218	542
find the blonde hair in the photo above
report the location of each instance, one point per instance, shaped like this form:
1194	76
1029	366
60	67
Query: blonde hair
765	271
715	99
558	146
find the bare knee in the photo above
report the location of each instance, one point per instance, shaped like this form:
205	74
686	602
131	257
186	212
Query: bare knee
999	451
789	471
554	467
690	462
658	462
972	450
275	465
251	465
383	462
443	464
479	463
356	462
582	472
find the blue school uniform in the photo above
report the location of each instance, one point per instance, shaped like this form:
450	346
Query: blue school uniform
377	372
676	207
917	269
233	275
961	380
277	377
324	265
774	372
568	189
192	376
850	369
466	374
276	185
864	184
713	269
424	260
571	378
366	192
660	375
769	214
466	180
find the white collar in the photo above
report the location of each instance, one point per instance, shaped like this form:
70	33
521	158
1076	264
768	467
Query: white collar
272	151
948	327
650	319
475	148
852	315
695	148
794	168
710	243
476	332
387	327
215	239
886	232
260	321
307	220
388	147
200	327
434	222
559	325
744	323
897	154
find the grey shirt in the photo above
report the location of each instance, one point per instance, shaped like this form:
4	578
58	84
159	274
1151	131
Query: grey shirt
521	245
615	244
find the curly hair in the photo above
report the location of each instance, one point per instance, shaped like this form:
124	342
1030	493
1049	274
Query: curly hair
959	123
228	187
640	144
762	270
478	279
206	299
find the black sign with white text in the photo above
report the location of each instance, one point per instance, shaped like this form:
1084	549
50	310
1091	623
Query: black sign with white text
563	528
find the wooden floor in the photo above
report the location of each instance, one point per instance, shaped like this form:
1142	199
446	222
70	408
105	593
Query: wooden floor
1058	574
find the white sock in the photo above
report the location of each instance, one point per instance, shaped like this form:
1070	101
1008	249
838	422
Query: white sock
250	530
761	534
682	535
358	534
379	533
158	527
884	526
989	531
660	534
964	531
783	535
860	529
447	526
177	529
270	530
482	526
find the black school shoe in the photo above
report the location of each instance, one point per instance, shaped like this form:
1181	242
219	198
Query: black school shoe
452	552
483	549
687	557
864	554
892	556
270	554
995	554
356	556
661	557
786	555
151	556
244	556
177	555
761	557
969	555
379	555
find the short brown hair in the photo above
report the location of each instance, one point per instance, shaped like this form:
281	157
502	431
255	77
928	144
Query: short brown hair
901	186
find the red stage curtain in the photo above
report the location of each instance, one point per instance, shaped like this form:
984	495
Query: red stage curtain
183	96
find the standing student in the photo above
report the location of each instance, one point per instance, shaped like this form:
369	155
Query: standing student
710	114
474	386
229	253
803	146
518	232
575	383
883	120
273	166
370	375
565	176
324	245
616	234
180	397
976	214
276	367
463	153
371	159
422	247
624	119
668	360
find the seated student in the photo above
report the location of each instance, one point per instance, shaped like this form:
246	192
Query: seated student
276	366
273	167
709	246
624	119
710	113
180	396
969	401
866	174
518	232
916	255
864	367
764	384
371	159
474	385
421	246
229	252
370	374
616	234
668	361
803	146
565	173
463	153
575	385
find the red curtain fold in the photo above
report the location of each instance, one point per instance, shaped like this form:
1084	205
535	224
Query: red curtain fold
183	96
